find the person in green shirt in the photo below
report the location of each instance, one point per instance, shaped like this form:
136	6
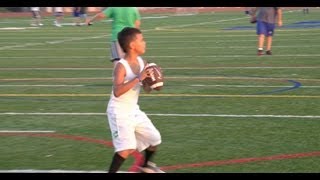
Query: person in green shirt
122	17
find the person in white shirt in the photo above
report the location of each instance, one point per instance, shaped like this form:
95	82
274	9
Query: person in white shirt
58	13
36	17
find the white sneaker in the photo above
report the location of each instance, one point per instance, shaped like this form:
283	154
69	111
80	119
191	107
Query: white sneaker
40	24
151	168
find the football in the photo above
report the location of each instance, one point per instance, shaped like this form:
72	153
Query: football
155	81
253	20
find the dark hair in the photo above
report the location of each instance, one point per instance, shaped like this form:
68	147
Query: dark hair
126	36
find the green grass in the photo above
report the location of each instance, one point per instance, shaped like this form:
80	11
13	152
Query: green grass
207	70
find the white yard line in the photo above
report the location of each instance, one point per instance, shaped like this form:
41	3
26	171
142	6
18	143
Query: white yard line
173	115
50	42
40	85
193	85
168	68
54	171
247	86
31	131
178	56
169	77
173	48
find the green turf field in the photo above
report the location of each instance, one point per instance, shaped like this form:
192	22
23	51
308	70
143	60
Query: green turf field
223	108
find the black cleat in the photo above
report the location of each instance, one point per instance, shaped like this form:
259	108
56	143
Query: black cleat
268	52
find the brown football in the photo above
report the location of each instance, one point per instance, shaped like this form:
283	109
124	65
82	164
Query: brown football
155	81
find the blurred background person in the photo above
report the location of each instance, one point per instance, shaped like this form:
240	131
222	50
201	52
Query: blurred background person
58	14
266	17
36	16
122	17
80	14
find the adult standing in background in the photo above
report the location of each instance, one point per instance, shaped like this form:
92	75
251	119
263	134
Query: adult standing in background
122	17
79	13
266	17
58	14
36	17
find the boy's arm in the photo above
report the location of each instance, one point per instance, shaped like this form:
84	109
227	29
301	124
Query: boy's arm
137	24
253	15
98	16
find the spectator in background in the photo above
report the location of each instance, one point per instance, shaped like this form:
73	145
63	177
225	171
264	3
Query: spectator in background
247	11
122	17
305	10
36	17
266	17
80	14
58	13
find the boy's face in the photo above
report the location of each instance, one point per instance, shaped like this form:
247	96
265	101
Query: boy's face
139	45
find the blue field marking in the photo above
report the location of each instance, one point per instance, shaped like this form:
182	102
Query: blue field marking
296	85
301	24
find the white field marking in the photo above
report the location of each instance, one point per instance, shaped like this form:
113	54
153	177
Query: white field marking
193	85
244	67
158	42
172	68
34	38
54	57
55	79
201	23
175	115
235	56
40	85
165	95
182	56
224	36
55	114
17	28
52	42
248	86
55	69
173	48
154	17
169	77
54	171
11	131
217	41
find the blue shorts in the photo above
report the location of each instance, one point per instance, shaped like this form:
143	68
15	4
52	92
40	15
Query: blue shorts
265	28
80	15
76	14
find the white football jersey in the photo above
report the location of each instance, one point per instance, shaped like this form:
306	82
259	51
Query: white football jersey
128	101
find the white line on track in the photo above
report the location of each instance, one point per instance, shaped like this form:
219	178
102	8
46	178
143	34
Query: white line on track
174	115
